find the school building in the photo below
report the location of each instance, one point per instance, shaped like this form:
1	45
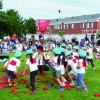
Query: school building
75	24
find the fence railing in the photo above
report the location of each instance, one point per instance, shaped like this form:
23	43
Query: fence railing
90	31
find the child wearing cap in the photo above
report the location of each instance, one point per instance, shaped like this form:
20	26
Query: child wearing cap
90	56
5	61
75	52
82	64
40	59
71	66
12	68
56	72
69	47
62	68
32	63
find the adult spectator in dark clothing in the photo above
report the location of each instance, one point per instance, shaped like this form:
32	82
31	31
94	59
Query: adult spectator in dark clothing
73	40
86	38
40	37
76	42
92	37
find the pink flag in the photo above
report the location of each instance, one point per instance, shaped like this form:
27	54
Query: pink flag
43	24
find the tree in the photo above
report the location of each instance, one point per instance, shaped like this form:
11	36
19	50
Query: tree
3	23
61	33
30	25
15	22
1	4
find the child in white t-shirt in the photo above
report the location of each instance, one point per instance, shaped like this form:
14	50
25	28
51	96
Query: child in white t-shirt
12	68
5	61
82	64
62	69
75	52
98	52
90	56
19	47
32	63
71	65
56	69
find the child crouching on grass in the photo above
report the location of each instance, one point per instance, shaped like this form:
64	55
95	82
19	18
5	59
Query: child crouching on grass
56	69
62	66
71	66
12	68
32	63
82	63
5	61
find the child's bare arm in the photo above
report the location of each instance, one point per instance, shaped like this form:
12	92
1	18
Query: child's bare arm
6	65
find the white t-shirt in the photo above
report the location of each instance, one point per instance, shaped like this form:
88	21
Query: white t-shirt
89	54
38	58
33	65
62	69
81	69
14	63
75	54
72	65
56	66
47	57
5	44
19	47
75	61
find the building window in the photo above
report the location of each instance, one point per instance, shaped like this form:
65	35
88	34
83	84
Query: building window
81	25
55	26
60	26
65	26
73	25
89	24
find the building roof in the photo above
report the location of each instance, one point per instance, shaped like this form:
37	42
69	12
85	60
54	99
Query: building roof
76	19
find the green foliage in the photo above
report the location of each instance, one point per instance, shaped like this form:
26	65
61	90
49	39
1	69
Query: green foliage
61	33
15	22
4	22
11	22
30	25
1	4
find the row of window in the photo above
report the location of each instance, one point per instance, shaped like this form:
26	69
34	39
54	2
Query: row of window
82	25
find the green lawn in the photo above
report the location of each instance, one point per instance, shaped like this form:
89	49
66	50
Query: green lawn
92	77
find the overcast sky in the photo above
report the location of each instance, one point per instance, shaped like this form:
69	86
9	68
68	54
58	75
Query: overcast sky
48	9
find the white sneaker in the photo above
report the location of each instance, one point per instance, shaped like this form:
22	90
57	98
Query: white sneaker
65	80
72	83
63	84
94	69
86	68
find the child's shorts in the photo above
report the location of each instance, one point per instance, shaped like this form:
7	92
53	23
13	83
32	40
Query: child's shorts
10	74
74	72
56	73
62	69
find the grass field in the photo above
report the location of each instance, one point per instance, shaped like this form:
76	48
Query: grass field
92	77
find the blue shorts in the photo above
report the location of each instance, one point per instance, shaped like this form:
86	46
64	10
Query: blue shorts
10	75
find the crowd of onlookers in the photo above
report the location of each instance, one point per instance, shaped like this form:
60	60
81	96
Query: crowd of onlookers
12	44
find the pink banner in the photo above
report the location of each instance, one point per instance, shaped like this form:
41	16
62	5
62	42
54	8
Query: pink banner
43	24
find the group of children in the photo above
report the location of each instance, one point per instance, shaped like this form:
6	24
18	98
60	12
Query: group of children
67	58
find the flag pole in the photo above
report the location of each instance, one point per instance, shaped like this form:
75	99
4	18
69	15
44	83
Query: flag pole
43	54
